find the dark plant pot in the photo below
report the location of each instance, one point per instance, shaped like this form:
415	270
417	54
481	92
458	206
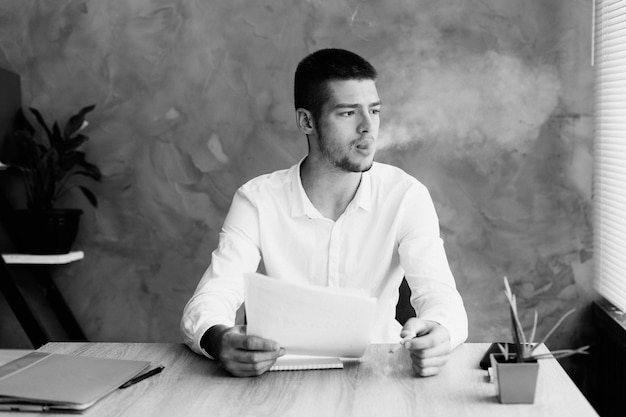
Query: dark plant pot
516	382
45	232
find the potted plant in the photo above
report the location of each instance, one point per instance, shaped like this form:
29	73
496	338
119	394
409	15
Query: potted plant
49	163
516	371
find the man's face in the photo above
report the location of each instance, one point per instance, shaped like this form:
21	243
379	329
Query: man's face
348	125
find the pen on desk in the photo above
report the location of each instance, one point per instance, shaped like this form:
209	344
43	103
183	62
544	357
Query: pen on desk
142	377
38	408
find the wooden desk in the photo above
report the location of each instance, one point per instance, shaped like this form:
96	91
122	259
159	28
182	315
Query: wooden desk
381	385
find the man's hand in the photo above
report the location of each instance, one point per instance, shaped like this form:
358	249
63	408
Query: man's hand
240	354
429	345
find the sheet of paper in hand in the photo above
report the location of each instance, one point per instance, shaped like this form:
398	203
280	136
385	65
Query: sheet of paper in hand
308	319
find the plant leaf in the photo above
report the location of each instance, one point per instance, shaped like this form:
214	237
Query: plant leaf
94	176
562	353
77	158
41	120
56	139
517	336
73	143
70	159
90	196
26	154
47	158
519	339
76	121
534	330
558	323
504	349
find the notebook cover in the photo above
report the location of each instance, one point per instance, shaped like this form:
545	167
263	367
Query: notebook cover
74	382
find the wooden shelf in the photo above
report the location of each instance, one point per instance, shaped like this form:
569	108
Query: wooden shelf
26	259
40	265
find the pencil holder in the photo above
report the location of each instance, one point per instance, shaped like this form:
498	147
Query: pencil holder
516	382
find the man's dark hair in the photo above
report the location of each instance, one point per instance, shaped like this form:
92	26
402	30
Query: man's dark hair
317	69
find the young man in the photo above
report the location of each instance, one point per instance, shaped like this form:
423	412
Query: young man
335	219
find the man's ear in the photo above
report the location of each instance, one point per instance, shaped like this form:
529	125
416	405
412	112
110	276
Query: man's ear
304	120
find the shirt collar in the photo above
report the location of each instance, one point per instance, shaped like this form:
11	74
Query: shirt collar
300	203
363	196
302	206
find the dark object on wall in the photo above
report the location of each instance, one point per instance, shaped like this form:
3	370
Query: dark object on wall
41	232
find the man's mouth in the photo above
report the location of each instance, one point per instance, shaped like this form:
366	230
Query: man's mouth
364	144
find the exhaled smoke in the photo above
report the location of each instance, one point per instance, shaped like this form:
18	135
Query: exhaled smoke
469	102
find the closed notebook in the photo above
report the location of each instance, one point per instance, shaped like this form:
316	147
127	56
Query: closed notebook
49	381
306	362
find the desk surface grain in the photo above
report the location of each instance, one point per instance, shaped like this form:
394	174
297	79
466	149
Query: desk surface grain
382	384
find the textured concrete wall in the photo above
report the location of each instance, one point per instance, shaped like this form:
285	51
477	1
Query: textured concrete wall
488	102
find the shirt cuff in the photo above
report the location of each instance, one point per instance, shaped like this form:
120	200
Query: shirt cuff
196	347
456	328
205	353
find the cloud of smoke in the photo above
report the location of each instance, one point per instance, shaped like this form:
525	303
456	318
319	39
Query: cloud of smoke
468	102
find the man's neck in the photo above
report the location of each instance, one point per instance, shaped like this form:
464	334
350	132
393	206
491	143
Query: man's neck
329	190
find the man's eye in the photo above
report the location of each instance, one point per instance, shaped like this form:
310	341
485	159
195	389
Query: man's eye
346	113
375	111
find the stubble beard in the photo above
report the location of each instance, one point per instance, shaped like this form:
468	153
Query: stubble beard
344	163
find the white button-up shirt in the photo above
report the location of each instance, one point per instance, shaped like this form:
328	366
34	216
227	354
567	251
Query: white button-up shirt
388	231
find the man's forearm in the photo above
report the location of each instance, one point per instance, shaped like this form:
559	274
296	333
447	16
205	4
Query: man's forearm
212	340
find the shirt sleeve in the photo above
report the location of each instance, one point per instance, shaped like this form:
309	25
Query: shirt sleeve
433	290
220	291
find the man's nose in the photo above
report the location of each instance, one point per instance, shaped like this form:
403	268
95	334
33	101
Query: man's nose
365	123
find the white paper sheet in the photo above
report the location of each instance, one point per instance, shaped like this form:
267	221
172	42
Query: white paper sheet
307	319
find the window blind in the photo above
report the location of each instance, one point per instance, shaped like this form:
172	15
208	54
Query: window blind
609	183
